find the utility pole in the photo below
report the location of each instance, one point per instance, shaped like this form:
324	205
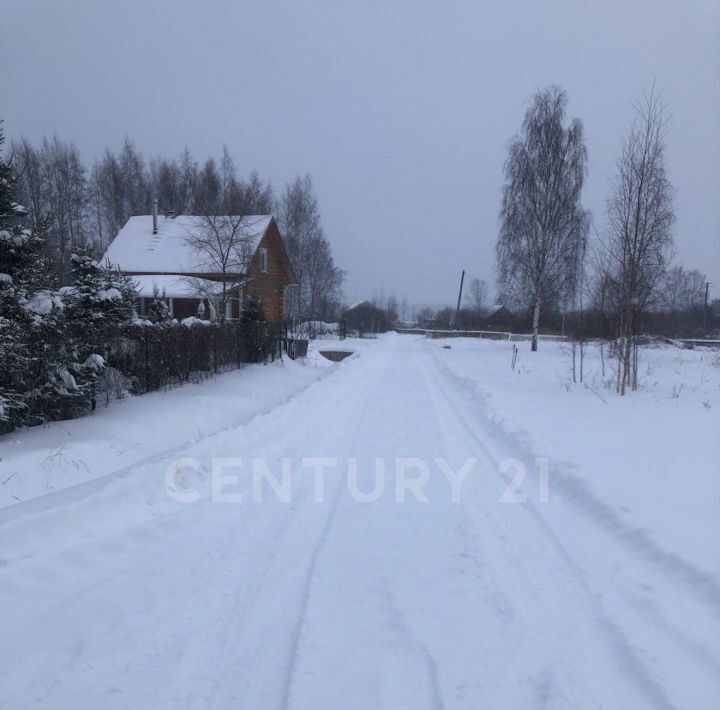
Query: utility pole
457	310
707	291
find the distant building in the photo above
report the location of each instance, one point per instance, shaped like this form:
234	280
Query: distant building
499	318
365	317
427	323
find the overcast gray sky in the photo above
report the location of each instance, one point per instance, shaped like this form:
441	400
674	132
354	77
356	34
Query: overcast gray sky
400	110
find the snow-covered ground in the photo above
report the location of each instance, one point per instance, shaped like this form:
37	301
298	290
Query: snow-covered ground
653	456
599	587
51	458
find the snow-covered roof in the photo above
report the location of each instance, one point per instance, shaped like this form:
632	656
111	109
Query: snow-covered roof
494	309
136	248
172	286
357	304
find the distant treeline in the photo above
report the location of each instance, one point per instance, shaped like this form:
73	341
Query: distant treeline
681	322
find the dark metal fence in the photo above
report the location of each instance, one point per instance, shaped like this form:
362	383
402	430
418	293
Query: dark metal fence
296	347
154	357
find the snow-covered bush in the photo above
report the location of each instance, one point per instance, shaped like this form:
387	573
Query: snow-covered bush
113	384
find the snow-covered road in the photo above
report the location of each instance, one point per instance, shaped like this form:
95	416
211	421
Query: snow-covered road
128	598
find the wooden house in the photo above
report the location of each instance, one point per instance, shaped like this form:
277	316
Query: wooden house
165	259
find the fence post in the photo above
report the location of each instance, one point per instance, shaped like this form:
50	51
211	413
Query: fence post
215	350
146	350
189	344
237	344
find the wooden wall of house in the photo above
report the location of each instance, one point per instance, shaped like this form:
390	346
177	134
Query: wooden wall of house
269	287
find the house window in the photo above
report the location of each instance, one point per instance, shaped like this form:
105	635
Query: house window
263	260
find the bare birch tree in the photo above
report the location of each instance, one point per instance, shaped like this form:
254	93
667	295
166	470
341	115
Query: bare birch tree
52	183
225	248
319	280
477	295
542	220
575	292
682	289
639	239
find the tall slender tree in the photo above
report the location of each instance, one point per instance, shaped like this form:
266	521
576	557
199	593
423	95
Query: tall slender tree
52	183
319	279
639	237
542	222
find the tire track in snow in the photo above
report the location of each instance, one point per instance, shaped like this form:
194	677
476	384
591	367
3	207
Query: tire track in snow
698	582
348	618
317	550
615	636
419	655
285	590
290	544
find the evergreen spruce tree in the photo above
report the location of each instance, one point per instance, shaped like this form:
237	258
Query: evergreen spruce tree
14	263
100	301
158	310
31	320
118	309
53	343
254	326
